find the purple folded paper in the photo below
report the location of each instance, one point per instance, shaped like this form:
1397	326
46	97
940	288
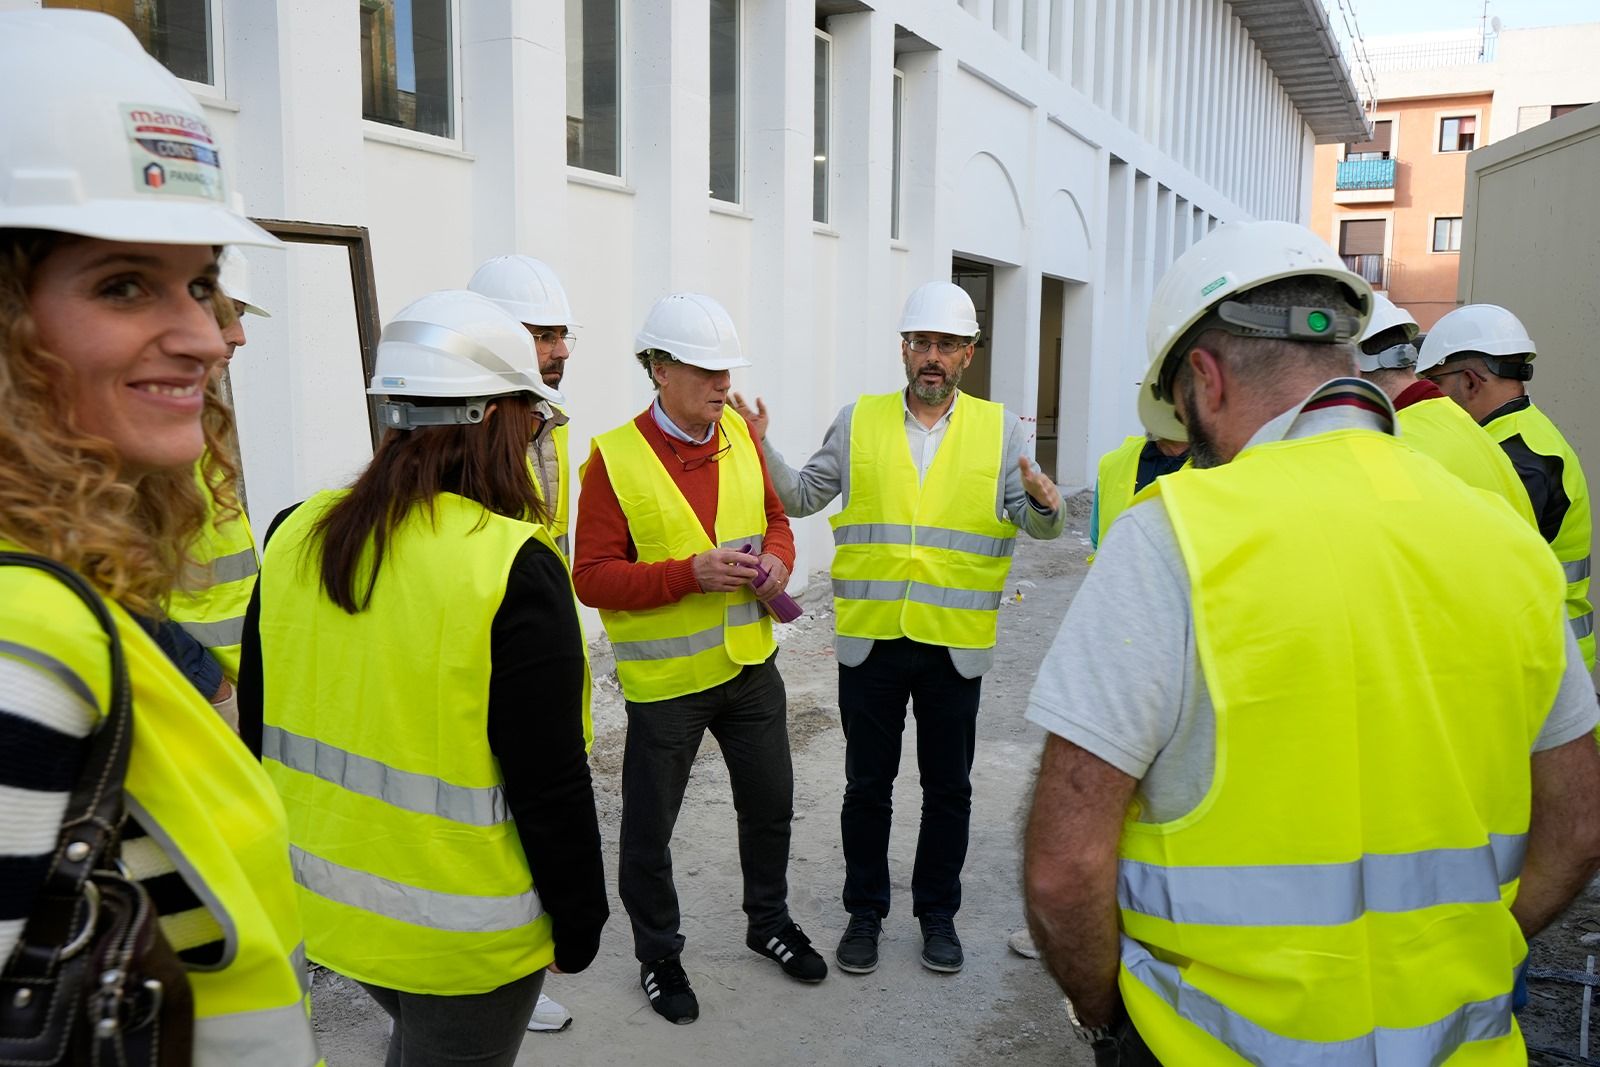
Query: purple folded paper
782	607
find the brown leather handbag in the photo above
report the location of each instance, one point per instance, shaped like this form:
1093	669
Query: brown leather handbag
93	979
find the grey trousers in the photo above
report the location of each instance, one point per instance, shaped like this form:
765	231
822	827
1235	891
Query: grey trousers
478	1029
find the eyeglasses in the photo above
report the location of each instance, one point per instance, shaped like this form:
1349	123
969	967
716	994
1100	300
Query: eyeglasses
948	346
700	461
550	338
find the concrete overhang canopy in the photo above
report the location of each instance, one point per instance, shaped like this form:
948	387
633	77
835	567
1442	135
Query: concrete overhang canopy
1298	45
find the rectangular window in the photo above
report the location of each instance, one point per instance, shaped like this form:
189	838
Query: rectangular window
407	78
1378	147
594	132
1557	110
725	100
897	125
177	32
1361	244
1447	234
1458	133
821	78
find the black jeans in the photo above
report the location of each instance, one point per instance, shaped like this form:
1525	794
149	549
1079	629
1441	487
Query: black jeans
479	1029
747	716
872	705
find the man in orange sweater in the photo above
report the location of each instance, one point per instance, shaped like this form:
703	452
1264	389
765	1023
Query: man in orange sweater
678	519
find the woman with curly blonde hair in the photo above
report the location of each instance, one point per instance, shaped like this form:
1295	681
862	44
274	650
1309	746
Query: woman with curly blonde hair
111	214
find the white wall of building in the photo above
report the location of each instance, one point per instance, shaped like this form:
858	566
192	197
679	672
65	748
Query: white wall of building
1088	140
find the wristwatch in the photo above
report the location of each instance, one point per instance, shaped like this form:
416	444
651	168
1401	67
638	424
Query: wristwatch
1089	1035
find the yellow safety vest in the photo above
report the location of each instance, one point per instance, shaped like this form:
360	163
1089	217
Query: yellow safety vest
210	807
1342	894
411	872
706	638
1119	469
217	584
1440	428
558	516
927	561
1571	544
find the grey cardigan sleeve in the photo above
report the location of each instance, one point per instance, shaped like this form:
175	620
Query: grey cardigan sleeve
1017	506
826	474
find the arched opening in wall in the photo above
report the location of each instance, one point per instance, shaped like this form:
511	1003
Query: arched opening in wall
978	280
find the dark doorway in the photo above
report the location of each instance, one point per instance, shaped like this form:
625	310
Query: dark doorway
978	280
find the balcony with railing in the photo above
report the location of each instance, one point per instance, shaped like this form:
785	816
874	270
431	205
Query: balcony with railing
1364	181
1374	268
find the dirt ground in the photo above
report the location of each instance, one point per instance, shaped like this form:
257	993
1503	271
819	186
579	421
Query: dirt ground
999	1008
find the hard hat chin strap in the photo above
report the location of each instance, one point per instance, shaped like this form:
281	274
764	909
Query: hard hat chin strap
400	415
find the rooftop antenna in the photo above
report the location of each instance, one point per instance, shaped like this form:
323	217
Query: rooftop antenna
1483	31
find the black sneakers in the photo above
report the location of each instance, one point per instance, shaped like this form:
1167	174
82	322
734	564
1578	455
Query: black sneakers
941	948
858	948
792	949
668	989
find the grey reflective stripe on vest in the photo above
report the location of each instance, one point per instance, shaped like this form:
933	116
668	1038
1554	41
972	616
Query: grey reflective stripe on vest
407	790
1433	1042
234	567
302	971
222	633
892	533
667	647
744	613
1577	570
753	540
409	903
1583	625
919	592
53	667
1323	894
274	1037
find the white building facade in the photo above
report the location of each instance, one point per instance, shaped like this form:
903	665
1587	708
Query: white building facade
1053	156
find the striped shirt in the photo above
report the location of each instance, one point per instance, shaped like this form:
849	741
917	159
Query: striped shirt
44	728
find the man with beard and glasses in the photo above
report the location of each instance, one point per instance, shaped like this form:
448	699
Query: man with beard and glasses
922	548
531	292
1296	766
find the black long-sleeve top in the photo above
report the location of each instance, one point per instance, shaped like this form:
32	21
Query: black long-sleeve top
536	680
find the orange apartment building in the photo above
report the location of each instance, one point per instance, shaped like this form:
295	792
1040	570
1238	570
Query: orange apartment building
1392	205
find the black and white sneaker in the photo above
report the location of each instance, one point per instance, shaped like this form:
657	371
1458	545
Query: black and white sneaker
792	949
668	989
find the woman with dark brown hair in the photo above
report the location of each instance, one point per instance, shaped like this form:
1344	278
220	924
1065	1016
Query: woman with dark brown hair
414	677
108	339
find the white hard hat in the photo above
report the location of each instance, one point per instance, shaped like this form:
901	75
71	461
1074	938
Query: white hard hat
525	287
454	344
1386	315
1478	329
692	328
100	140
940	307
234	277
1232	259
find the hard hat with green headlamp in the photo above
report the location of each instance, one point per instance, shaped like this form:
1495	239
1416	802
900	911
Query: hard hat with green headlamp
1208	288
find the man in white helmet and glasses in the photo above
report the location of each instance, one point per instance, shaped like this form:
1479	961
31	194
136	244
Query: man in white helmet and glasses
529	290
1296	766
681	540
1481	356
1429	421
935	483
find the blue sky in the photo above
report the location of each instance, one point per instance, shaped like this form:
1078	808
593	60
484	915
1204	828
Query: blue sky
1380	17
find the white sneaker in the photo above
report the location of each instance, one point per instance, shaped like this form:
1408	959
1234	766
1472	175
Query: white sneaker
549	1016
1022	944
